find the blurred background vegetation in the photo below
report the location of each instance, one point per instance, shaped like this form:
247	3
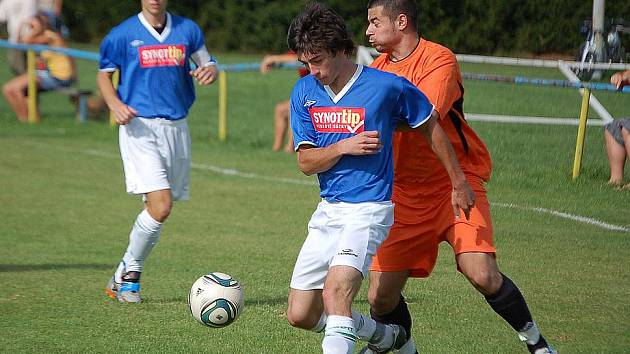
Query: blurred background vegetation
466	26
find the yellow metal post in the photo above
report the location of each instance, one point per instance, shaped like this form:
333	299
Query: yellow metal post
579	145
222	105
115	81
33	117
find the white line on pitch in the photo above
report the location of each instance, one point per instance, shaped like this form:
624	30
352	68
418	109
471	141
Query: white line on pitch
233	172
579	218
225	171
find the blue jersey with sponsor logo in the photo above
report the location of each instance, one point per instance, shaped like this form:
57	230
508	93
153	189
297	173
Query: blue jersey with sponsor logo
154	67
372	100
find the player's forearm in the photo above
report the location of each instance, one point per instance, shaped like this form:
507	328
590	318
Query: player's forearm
316	160
445	152
105	85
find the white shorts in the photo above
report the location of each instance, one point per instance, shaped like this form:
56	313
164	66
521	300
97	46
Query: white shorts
156	156
341	234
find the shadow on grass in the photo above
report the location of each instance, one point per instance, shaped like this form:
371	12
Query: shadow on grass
8	268
248	302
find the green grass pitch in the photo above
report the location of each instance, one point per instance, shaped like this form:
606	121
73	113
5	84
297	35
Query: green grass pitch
64	223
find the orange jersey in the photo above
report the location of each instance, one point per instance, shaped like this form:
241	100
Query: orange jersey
418	171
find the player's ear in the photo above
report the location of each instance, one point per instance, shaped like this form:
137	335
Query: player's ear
401	22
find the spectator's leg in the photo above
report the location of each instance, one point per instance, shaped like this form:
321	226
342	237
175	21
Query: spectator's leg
17	61
281	122
288	148
626	141
616	158
15	93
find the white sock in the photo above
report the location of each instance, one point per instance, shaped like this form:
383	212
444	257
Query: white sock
340	337
144	235
529	334
321	324
364	325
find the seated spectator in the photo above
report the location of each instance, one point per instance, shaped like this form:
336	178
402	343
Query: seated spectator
617	137
54	70
281	115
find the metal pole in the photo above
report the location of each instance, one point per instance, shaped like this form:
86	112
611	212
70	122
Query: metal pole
597	106
579	145
33	117
598	32
222	105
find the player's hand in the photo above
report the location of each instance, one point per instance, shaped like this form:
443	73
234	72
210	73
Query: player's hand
462	198
205	75
364	143
123	113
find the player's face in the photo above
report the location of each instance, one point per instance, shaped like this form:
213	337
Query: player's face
381	31
154	7
323	65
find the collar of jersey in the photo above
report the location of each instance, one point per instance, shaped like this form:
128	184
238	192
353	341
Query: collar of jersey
336	98
160	37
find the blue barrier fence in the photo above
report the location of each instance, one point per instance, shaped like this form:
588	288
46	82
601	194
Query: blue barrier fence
244	67
87	55
520	80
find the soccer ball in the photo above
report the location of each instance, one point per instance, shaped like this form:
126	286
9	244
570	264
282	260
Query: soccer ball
216	299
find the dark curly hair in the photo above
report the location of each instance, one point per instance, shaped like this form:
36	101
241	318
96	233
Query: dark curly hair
318	28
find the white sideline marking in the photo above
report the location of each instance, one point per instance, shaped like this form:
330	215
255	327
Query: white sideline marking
530	120
579	218
233	172
223	171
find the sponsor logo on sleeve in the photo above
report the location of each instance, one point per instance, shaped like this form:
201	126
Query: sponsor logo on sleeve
136	43
162	55
338	119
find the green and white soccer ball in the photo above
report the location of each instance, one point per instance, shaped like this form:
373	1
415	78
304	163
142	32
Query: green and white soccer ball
216	299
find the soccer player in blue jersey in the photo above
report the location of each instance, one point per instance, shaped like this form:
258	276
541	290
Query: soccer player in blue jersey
152	52
343	116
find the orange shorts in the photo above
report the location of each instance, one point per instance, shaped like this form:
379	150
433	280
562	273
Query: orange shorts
414	246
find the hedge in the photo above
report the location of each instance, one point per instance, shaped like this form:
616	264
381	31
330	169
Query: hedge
466	26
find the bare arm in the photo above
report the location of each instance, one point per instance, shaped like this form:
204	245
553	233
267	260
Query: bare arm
122	113
620	79
270	60
313	160
40	38
462	195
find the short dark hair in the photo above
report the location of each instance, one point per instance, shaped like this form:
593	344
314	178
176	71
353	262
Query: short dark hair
393	8
318	28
